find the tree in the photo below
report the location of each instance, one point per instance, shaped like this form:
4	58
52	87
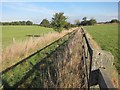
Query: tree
58	21
5	23
88	22
15	23
0	23
77	22
84	21
22	22
73	25
29	23
84	18
67	26
92	21
114	21
45	23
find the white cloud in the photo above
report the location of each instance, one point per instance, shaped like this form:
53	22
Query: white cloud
39	11
26	11
44	12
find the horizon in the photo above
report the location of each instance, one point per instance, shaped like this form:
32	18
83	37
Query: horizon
37	11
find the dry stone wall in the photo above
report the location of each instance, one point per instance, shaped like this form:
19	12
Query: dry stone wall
63	69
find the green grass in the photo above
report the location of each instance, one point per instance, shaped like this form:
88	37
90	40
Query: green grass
19	33
15	74
106	35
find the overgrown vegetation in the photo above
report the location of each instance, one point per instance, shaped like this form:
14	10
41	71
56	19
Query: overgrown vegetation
12	54
23	70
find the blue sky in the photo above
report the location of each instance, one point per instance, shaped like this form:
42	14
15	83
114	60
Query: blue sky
36	11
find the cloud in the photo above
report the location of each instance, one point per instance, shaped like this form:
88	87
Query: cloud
29	7
37	12
27	11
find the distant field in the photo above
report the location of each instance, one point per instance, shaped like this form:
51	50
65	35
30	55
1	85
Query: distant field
20	32
106	36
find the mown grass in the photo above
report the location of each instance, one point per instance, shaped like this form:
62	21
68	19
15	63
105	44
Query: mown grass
18	33
106	35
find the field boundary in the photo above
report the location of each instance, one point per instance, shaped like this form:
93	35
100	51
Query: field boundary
96	75
59	42
4	71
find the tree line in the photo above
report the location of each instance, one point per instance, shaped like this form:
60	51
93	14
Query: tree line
112	21
59	22
84	21
17	23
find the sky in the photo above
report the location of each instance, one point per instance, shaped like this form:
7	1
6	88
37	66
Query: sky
37	11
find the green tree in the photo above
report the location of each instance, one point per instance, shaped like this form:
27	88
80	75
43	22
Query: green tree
92	21
73	25
84	18
29	23
114	21
45	23
84	21
67	26
16	23
5	23
22	22
58	22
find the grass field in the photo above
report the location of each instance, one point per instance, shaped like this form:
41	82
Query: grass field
15	50
106	35
19	33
